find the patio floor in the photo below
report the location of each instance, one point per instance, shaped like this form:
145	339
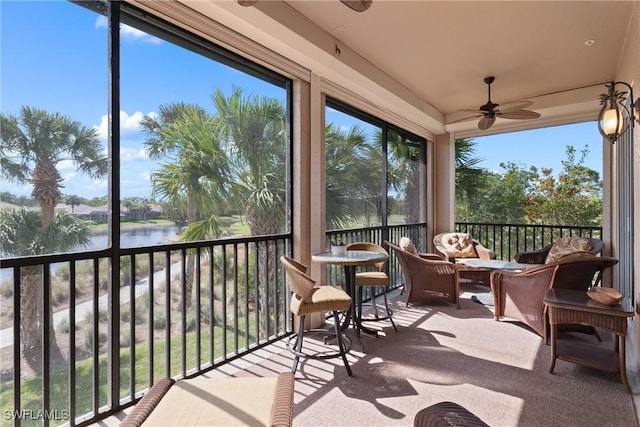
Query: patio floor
497	370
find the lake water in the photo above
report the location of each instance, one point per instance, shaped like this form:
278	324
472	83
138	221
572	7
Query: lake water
143	236
131	237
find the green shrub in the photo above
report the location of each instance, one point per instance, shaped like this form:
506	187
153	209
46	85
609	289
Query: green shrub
125	337
59	292
159	321
63	327
88	341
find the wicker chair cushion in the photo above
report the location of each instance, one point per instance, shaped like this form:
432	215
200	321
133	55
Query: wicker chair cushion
147	404
237	400
407	245
200	401
372	278
574	255
565	246
460	244
323	298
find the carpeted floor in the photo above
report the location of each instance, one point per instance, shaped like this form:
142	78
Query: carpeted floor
497	370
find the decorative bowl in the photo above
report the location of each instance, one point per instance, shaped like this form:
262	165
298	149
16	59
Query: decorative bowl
607	296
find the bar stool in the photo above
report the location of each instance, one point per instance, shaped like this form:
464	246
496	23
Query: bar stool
372	279
307	298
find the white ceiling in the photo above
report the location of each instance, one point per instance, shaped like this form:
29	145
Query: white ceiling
435	54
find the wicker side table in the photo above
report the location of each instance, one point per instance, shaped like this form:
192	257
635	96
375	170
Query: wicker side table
575	307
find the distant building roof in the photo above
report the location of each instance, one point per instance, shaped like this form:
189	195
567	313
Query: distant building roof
6	205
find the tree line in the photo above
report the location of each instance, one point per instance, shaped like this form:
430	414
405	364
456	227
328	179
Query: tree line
527	195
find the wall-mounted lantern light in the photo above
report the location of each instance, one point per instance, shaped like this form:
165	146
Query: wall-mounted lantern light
615	116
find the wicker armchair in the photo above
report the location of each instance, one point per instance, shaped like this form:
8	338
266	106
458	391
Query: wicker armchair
460	245
539	256
519	295
428	278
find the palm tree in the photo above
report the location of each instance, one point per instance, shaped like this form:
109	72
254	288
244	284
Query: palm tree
469	178
344	174
404	174
31	147
73	200
254	130
194	174
22	234
234	159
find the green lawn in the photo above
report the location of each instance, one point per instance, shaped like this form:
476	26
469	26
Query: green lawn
234	225
31	389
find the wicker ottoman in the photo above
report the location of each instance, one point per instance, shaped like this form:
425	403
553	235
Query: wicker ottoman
446	414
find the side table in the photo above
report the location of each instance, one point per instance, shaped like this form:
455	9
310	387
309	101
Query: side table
575	307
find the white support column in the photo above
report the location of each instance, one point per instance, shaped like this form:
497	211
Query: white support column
301	180
317	172
316	194
444	186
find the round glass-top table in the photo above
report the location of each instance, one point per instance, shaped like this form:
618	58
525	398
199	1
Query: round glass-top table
350	260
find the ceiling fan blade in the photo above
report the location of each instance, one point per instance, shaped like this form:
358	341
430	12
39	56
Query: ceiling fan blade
486	122
512	106
465	118
520	114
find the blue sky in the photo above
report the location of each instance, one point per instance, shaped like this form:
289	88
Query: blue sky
544	147
54	57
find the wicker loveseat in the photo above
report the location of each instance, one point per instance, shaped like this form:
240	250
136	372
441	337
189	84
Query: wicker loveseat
562	246
451	246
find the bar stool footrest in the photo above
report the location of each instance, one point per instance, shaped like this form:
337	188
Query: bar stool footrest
329	335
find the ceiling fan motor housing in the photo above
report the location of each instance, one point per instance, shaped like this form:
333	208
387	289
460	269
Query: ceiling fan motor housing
490	111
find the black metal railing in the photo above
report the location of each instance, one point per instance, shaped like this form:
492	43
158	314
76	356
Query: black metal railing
509	239
505	239
174	310
126	317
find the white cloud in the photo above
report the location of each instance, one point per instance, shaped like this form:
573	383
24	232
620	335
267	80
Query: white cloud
128	33
101	22
129	125
70	176
130	154
103	126
66	165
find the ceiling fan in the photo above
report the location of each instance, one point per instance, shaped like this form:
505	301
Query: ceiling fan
490	111
357	5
